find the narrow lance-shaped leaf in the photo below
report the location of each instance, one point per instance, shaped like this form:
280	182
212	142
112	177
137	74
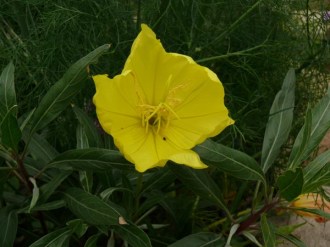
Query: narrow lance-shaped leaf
92	240
205	239
134	236
202	184
316	165
294	240
7	90
323	179
82	140
91	208
85	177
268	232
232	231
50	206
290	184
317	172
40	148
279	122
78	227
306	134
61	93
8	229
320	126
89	127
10	132
229	160
90	159
35	194
158	180
56	238
49	188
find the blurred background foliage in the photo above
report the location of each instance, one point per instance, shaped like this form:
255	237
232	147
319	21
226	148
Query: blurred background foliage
249	44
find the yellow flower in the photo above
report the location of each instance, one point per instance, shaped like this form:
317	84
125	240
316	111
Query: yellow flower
311	201
160	106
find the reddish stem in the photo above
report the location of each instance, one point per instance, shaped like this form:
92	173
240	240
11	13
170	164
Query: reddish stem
254	217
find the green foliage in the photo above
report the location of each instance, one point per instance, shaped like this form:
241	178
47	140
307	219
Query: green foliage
60	94
280	121
207	239
231	161
7	91
290	184
319	126
90	208
64	183
268	232
9	221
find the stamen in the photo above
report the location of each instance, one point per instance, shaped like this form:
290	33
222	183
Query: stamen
160	116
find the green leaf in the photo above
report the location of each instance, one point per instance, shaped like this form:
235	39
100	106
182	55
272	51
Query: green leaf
296	152
85	177
252	238
7	90
150	202
91	159
91	131
92	241
8	229
268	232
279	122
86	180
201	239
292	239
290	184
158	180
58	238
82	140
91	208
60	95
35	194
10	132
48	189
321	178
232	231
229	160
5	172
200	183
77	227
49	206
289	229
320	126
108	192
134	236
40	148
317	172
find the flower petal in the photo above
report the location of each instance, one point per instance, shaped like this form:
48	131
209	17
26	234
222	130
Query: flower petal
115	102
154	69
148	150
201	110
144	62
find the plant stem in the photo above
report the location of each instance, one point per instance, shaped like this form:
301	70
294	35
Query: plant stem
25	179
254	217
24	174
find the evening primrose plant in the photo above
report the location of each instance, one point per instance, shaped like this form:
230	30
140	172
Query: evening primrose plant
137	181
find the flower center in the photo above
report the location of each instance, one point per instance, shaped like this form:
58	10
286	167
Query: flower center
157	117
